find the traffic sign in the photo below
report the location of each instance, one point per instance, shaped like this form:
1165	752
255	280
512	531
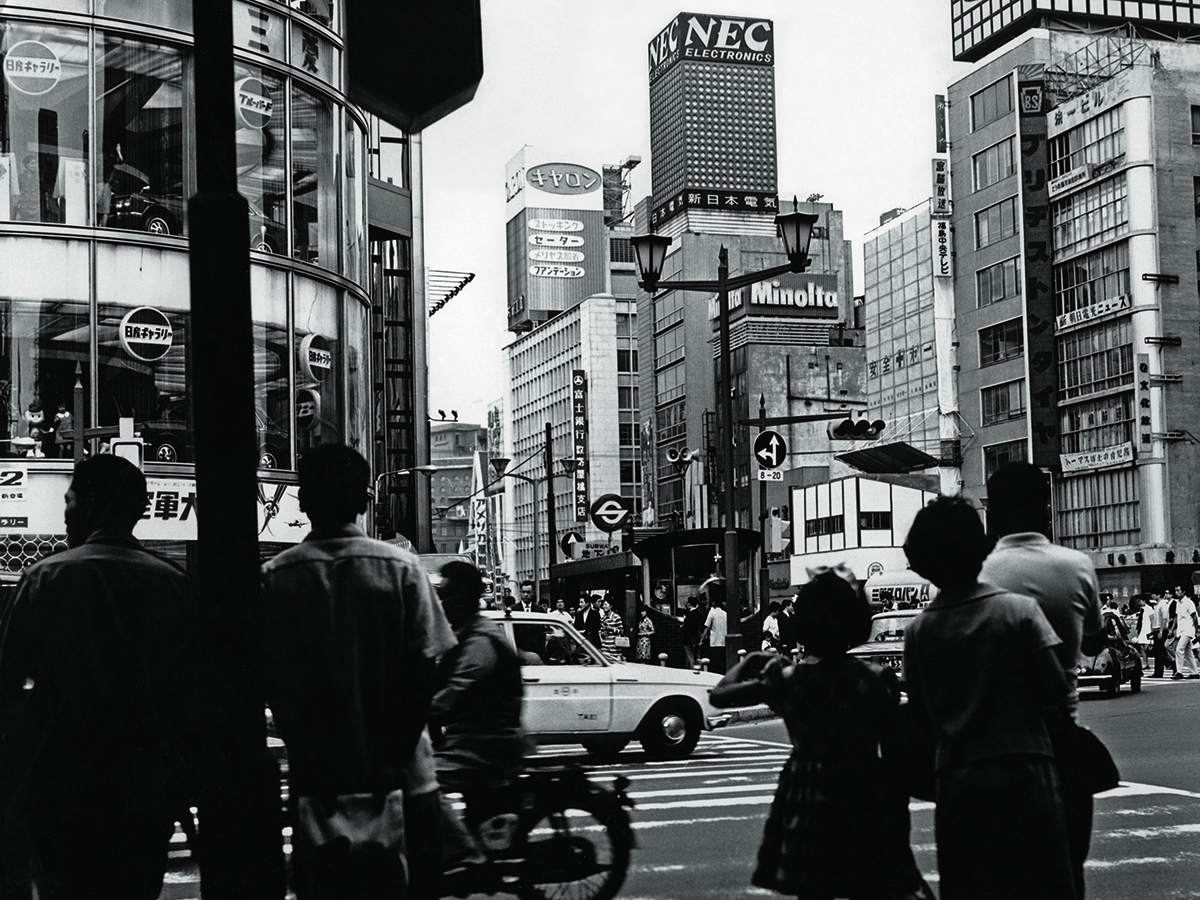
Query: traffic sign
610	513
569	540
770	449
770	475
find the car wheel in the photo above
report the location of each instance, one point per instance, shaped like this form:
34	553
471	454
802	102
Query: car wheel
157	223
1114	686
267	459
671	729
1135	681
262	244
604	747
166	453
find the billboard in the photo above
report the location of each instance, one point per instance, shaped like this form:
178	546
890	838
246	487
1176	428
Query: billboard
717	39
803	296
555	235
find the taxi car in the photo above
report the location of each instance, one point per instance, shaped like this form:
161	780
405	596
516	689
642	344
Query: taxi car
574	693
1117	663
885	643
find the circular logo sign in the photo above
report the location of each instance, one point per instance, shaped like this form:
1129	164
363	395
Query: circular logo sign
563	178
610	513
32	68
874	569
308	408
316	358
254	103
146	334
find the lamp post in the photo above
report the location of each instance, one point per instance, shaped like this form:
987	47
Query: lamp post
422	470
570	464
795	228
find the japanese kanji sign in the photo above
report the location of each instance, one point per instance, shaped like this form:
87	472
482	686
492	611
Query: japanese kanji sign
146	334
32	68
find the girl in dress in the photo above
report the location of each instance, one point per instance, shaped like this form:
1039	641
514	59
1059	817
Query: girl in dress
838	826
645	632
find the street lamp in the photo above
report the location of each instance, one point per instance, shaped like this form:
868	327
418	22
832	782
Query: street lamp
795	228
569	465
422	470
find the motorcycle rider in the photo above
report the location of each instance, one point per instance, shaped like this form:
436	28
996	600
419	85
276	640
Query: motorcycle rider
477	707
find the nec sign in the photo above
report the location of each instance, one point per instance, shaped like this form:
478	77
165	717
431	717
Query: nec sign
723	39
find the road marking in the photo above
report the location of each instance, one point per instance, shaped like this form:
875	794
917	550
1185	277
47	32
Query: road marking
691	792
1134	789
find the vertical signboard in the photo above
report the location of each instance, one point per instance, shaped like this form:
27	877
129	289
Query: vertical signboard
939	124
940	190
579	431
943	256
1038	296
1144	428
555	233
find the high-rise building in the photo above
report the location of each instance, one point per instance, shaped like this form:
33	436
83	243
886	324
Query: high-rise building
712	120
454	447
1076	233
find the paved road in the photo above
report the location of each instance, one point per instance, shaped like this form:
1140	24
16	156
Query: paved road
698	821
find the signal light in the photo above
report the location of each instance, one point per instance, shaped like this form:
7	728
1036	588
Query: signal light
856	429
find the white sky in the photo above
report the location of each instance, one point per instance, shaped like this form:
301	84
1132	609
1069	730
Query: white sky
854	87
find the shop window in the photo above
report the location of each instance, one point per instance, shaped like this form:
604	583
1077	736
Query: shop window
261	146
145	140
314	178
319	365
272	392
44	125
44	335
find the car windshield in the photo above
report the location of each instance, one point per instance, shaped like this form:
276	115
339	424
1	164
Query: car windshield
889	628
549	644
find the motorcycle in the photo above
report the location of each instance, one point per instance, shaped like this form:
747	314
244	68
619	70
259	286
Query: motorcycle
550	833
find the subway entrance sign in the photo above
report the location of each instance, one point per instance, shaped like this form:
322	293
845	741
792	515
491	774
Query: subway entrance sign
413	63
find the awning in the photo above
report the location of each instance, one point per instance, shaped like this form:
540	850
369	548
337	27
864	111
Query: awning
888	459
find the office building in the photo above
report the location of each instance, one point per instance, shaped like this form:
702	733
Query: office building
454	448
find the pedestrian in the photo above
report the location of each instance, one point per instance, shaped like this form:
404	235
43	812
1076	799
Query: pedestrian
98	681
560	611
351	631
529	600
1185	633
1145	628
835	807
588	619
693	624
611	628
645	636
770	628
999	822
787	627
1064	584
1160	636
716	625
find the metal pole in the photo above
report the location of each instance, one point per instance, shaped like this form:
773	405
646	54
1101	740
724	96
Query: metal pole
764	572
537	582
551	528
733	609
241	847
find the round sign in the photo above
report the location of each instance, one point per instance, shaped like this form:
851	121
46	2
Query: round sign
570	539
770	449
32	68
563	178
316	359
874	569
254	103
308	408
610	513
146	334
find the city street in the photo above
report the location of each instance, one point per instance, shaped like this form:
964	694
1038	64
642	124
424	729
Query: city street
698	821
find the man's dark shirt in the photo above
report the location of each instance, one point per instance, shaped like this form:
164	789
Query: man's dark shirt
98	641
693	624
588	622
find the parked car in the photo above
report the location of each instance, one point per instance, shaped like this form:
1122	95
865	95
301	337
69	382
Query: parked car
576	694
163	213
885	644
1118	663
168	436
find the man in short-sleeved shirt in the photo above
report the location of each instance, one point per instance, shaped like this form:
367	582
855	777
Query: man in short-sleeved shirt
352	629
1185	631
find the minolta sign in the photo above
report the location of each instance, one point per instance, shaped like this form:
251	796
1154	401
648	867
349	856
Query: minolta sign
718	39
797	296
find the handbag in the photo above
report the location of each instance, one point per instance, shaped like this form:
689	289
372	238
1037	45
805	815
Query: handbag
620	641
1084	764
350	846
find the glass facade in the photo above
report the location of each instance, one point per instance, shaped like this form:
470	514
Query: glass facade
97	162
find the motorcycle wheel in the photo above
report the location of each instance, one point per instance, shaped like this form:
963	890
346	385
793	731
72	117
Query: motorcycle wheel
577	850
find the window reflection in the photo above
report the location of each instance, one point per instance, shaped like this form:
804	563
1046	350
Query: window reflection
358	377
43	124
261	143
354	201
272	399
143	178
319	365
321	10
314	174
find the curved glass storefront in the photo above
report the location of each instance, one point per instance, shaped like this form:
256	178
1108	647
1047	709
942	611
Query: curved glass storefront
97	161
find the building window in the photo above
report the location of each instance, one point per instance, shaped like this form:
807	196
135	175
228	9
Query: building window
875	521
1001	342
668	347
1098	509
1099	142
994	164
1196	124
671	383
627	433
1002	402
999	282
1095	277
627	361
1095	359
992	103
1096	424
825	525
996	223
670	422
998	455
1091	217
